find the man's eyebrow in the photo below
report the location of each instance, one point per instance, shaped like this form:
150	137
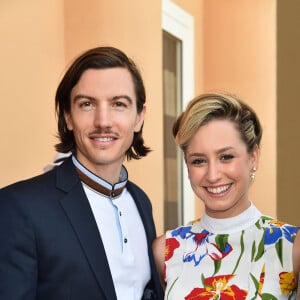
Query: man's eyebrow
82	96
123	96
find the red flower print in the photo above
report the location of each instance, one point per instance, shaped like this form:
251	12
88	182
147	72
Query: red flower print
217	288
171	245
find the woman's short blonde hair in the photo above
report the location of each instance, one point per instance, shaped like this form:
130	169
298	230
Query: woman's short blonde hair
212	106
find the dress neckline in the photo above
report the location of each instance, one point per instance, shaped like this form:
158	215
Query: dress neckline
231	225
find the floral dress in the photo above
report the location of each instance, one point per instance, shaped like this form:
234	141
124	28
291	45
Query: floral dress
245	257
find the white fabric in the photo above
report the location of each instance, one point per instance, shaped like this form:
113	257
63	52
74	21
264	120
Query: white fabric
245	257
230	225
124	240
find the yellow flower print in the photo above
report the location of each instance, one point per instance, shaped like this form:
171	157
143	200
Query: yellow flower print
287	282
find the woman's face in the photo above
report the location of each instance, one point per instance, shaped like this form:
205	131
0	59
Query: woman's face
219	168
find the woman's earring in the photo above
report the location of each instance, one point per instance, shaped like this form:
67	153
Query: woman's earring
252	175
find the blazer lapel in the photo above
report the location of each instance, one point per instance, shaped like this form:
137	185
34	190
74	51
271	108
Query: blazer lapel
144	212
80	215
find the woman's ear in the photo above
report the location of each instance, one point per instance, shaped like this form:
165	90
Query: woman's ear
255	157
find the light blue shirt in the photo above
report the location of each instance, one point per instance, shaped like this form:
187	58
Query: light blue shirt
123	236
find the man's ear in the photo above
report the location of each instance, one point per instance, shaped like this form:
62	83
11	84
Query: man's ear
140	119
68	121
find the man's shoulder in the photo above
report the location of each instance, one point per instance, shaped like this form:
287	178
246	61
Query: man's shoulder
29	182
42	183
134	188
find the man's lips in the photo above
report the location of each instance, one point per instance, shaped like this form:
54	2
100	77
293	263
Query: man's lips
103	139
103	136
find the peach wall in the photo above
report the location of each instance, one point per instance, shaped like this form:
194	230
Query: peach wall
240	57
31	59
135	27
237	47
38	39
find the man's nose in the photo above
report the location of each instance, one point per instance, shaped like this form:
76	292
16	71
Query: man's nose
103	116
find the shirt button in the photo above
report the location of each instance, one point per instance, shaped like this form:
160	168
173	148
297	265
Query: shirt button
125	240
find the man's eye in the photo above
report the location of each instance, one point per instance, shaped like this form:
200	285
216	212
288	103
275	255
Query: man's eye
227	157
120	104
85	105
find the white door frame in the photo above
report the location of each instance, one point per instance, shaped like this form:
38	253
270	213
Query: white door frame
180	24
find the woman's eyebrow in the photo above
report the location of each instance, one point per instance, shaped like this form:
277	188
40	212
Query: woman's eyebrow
198	154
224	149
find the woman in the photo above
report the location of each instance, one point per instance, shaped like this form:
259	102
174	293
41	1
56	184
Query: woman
233	251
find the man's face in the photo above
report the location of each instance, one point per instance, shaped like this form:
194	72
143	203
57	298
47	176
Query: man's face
104	117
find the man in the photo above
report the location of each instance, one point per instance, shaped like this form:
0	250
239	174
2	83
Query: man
82	230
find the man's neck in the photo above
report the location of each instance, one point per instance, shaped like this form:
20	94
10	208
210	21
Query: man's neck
111	174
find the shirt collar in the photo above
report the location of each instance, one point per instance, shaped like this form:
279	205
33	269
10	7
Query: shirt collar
99	184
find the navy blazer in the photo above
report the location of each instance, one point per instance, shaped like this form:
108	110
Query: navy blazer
50	246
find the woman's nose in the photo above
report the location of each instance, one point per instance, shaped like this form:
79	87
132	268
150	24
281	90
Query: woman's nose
213	172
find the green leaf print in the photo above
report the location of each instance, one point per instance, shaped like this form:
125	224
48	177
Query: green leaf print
203	279
263	219
217	264
171	287
268	297
221	241
255	281
278	247
260	250
242	251
256	284
253	251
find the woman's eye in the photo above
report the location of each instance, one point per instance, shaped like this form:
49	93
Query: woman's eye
198	161
227	157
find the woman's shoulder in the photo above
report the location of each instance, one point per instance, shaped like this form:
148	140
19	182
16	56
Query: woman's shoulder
183	229
267	222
